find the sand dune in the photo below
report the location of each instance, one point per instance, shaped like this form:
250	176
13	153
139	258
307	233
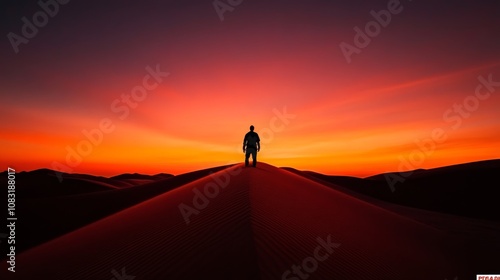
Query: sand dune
45	183
258	224
45	218
140	179
468	189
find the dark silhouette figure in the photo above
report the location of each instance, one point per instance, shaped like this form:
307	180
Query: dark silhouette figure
251	145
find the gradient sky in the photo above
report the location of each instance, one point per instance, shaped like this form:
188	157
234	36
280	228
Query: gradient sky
359	118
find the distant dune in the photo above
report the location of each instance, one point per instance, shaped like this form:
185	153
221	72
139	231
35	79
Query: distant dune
468	189
48	216
254	223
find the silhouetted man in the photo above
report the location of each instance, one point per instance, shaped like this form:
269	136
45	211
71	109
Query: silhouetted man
251	145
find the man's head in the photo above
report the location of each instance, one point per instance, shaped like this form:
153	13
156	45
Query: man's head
251	128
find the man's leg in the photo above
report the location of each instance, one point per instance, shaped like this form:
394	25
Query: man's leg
247	155
254	158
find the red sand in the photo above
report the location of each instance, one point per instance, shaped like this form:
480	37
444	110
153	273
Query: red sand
257	227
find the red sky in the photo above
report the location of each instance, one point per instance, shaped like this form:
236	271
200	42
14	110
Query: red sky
359	118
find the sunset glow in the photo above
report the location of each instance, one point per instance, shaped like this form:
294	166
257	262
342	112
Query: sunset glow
424	93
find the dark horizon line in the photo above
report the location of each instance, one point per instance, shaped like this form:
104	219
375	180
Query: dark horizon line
281	167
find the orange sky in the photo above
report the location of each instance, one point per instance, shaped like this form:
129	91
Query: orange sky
359	118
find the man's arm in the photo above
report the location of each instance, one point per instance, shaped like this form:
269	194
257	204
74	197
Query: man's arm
244	142
258	143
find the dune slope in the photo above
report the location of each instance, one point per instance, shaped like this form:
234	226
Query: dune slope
256	223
